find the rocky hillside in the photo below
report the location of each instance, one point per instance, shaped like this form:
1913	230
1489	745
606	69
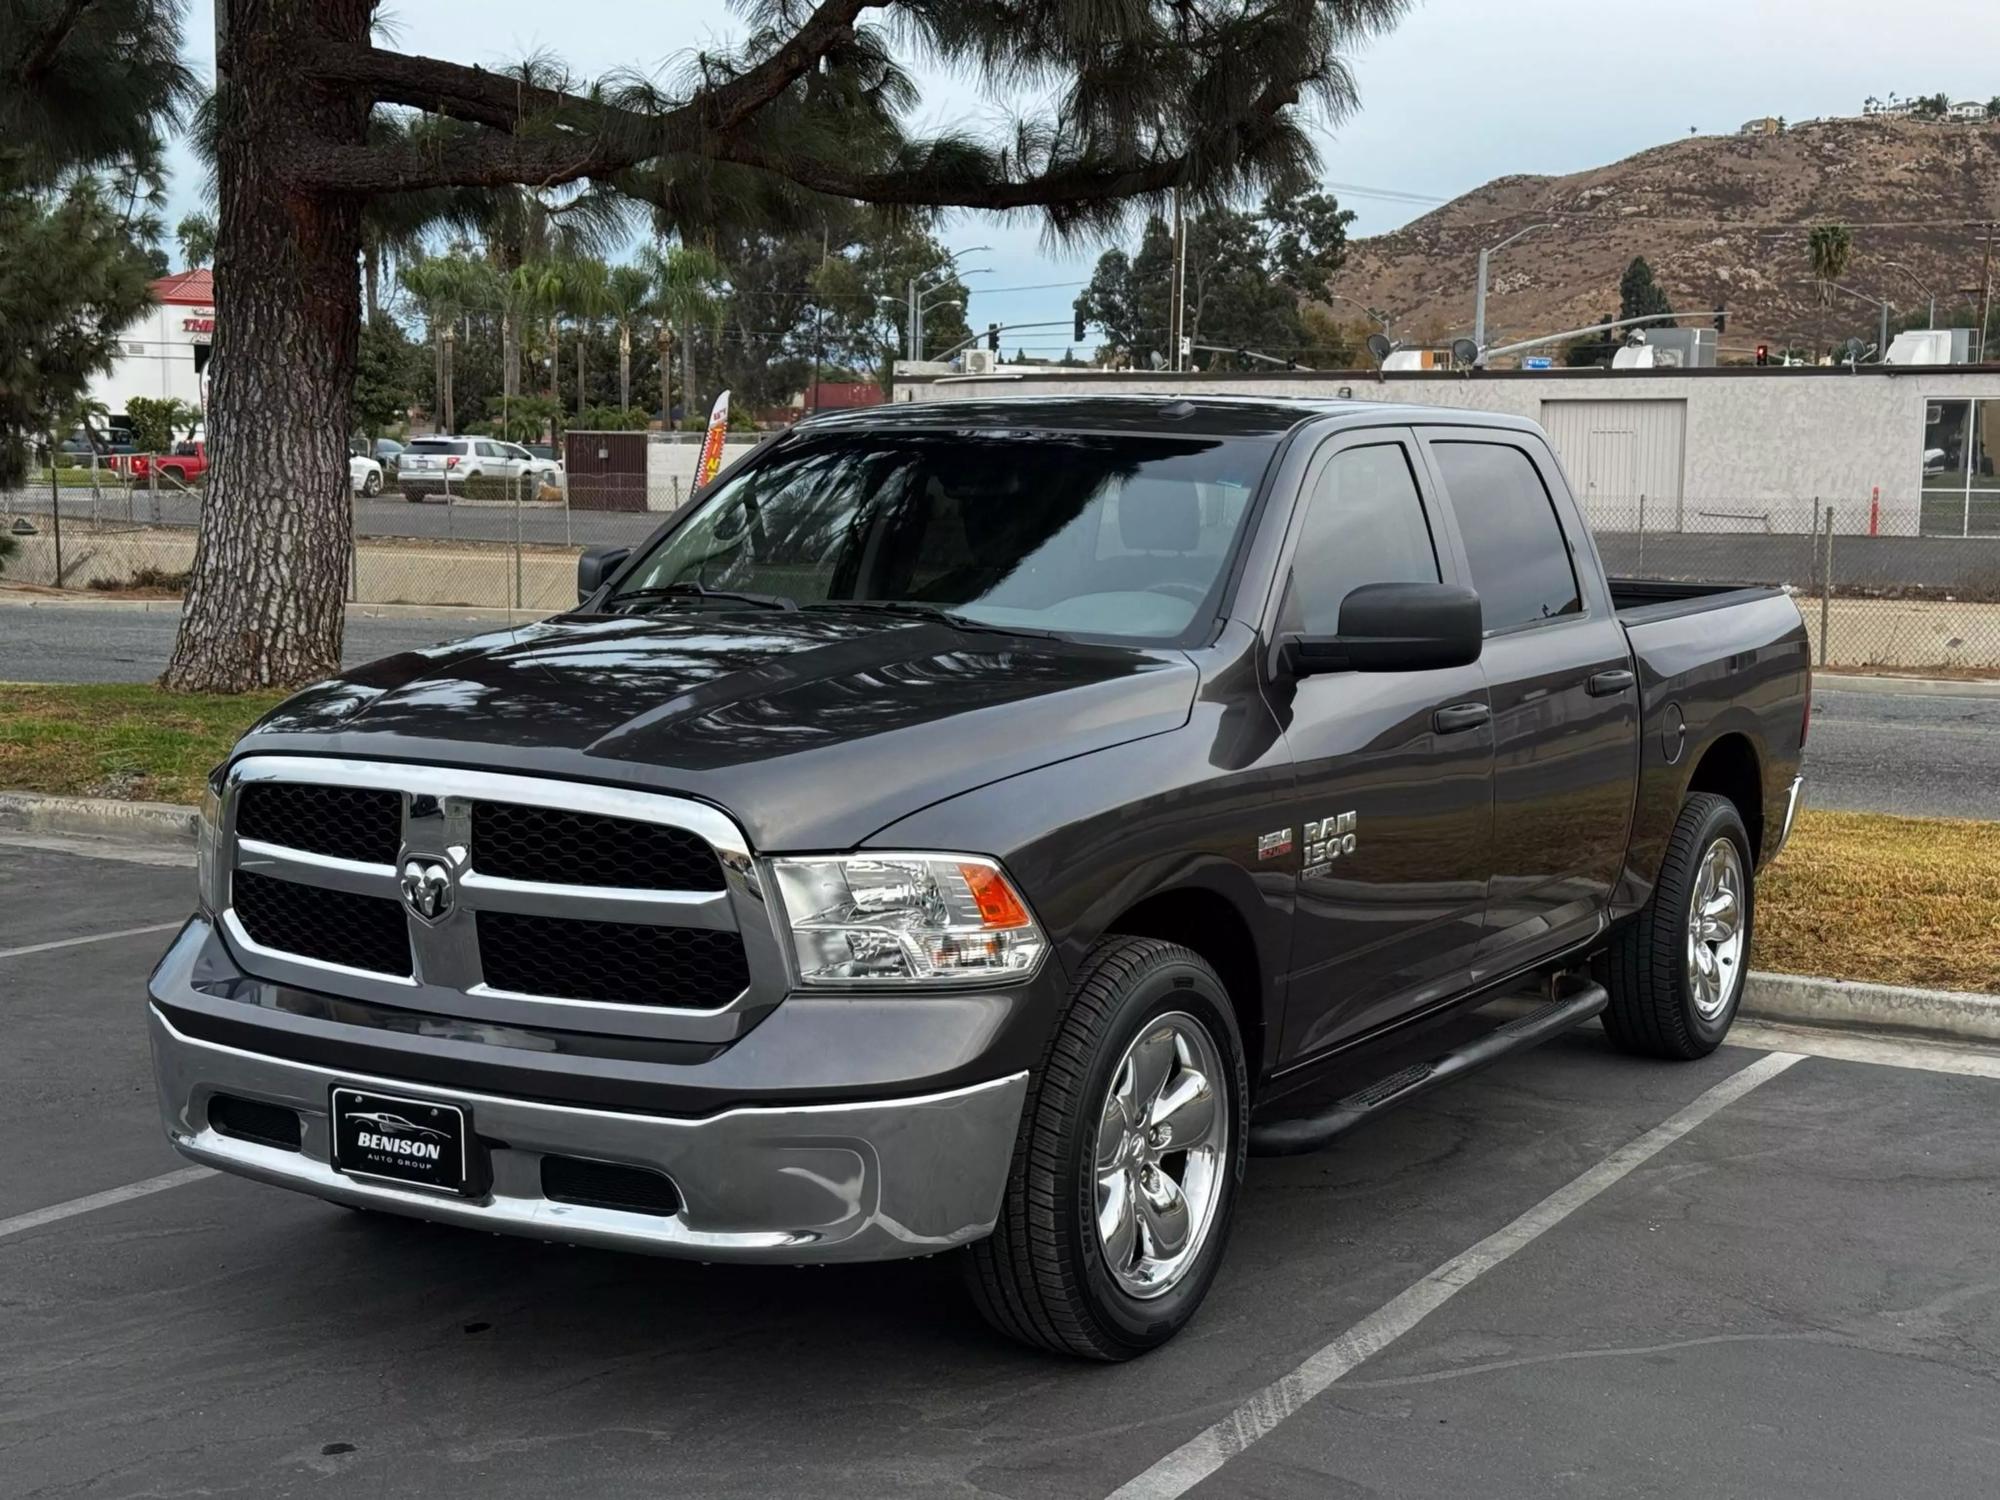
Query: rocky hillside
1716	217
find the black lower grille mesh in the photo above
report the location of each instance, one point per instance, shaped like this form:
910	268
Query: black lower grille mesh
519	842
630	963
335	927
603	1184
347	822
254	1120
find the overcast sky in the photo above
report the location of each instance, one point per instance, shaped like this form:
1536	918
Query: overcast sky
1462	91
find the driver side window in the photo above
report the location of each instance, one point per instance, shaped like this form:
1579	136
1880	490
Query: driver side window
1364	523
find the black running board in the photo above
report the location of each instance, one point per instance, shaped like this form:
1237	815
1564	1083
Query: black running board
1305	1133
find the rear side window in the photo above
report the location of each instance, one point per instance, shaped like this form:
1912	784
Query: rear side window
1513	542
1364	524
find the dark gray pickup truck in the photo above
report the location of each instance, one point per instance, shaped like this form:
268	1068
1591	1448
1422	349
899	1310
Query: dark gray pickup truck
979	826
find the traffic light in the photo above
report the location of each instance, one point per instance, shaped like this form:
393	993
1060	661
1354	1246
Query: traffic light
1079	326
1763	354
1722	318
993	337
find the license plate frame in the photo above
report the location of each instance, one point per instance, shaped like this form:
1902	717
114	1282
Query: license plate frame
402	1140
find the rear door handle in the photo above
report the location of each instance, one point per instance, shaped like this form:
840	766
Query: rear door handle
1608	684
1460	717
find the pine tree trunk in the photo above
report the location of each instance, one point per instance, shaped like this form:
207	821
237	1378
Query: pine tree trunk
263	606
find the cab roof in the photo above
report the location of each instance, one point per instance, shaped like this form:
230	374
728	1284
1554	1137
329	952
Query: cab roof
1195	415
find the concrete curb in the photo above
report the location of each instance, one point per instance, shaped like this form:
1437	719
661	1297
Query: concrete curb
97	817
1797	1000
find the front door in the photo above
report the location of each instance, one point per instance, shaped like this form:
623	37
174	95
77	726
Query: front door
1565	703
1391	816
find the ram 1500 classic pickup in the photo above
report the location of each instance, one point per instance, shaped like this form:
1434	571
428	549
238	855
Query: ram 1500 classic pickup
977	826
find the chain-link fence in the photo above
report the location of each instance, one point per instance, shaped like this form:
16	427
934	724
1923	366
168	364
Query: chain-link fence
508	542
1875	591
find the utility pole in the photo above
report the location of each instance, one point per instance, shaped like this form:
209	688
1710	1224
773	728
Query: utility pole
1177	287
910	324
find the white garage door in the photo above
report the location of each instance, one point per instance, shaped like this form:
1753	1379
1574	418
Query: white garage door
1617	451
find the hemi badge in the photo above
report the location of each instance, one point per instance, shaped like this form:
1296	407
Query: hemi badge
1272	845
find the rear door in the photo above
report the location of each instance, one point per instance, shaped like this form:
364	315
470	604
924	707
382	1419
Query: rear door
1558	671
1391	819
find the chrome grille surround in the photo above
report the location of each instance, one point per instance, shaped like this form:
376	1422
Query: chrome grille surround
447	977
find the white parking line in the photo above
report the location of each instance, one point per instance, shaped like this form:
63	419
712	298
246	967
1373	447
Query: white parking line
21	1223
97	937
1199	1457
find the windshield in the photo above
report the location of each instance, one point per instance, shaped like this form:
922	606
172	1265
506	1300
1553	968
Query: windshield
1076	533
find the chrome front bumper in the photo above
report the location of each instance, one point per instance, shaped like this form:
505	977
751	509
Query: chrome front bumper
819	1183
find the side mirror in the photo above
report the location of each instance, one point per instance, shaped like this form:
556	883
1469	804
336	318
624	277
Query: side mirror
1393	627
596	565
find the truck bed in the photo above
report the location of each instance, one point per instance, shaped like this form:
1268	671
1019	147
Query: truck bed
1644	600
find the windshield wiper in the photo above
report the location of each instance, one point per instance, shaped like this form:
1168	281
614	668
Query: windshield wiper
915	609
701	591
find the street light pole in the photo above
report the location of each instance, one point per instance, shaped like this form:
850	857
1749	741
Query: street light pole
1485	260
1919	284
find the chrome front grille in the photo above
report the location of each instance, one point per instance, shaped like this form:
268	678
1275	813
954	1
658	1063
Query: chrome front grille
506	898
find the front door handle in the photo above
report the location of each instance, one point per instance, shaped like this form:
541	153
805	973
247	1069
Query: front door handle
1610	684
1460	717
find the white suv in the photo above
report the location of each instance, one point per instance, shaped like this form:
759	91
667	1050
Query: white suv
438	465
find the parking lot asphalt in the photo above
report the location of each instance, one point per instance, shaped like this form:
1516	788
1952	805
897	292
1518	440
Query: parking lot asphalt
1796	1294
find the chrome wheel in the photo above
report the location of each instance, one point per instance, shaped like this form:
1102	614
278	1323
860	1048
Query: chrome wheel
1162	1150
1715	930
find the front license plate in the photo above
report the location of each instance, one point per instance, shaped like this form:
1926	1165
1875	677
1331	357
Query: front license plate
400	1140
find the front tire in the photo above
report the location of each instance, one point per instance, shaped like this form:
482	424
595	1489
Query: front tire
1126	1167
1675	973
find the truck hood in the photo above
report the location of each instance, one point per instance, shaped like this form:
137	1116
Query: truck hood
812	729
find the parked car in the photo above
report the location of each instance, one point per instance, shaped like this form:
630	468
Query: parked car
436	465
974	826
385	451
364	475
183	464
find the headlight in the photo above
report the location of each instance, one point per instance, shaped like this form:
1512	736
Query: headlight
918	919
208	844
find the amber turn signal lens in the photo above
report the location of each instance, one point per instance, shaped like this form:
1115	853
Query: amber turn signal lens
998	905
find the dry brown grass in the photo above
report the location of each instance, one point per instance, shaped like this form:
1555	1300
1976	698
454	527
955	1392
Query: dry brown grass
1890	900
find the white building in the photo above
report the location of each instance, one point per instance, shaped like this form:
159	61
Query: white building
165	352
1966	109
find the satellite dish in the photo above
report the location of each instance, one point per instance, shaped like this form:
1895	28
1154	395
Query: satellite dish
1465	352
1380	347
1851	350
1156	359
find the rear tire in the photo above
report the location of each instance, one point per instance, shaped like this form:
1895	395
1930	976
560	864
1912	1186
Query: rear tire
1049	1275
371	486
1667	999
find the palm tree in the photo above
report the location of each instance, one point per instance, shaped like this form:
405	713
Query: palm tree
443	286
628	297
685	278
196	234
1830	245
586	297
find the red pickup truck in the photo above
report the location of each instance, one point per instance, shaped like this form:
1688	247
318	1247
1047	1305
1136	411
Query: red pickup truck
184	465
